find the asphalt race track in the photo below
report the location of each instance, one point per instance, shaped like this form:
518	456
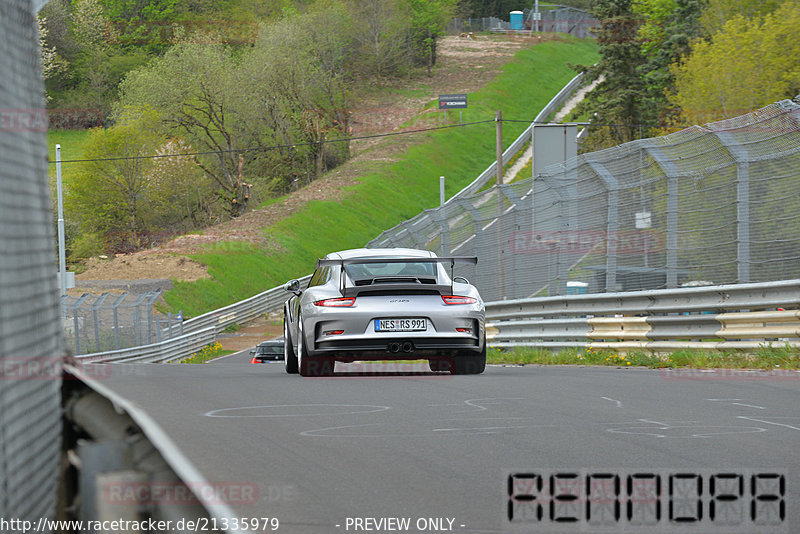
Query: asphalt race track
379	441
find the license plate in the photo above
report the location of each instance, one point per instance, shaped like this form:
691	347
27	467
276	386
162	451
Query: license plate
400	325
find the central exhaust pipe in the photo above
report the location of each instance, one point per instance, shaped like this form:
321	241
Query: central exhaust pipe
394	347
408	346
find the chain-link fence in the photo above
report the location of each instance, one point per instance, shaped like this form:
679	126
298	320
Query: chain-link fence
718	203
98	323
30	340
483	24
558	19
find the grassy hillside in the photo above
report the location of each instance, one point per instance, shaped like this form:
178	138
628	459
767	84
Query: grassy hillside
390	192
71	141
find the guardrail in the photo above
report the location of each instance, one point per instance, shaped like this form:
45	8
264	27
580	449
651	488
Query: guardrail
163	352
741	316
242	311
198	331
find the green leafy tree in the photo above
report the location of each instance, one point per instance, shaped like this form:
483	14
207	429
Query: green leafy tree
618	102
197	91
112	197
718	12
667	30
427	21
380	36
748	64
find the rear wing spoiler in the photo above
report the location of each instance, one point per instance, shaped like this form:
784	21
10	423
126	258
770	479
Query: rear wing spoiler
472	260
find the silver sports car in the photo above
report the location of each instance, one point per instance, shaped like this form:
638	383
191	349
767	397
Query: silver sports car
385	304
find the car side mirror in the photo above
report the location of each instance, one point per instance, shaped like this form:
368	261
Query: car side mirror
293	286
460	279
253	352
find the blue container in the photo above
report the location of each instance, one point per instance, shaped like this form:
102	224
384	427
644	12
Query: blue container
577	288
516	20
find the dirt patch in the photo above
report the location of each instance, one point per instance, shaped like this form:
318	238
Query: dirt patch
252	334
464	65
154	264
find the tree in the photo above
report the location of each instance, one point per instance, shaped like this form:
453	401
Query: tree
618	102
380	33
111	197
196	88
717	12
748	64
427	21
666	33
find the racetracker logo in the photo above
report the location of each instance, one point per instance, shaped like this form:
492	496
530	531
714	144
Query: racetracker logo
177	493
586	241
48	368
23	119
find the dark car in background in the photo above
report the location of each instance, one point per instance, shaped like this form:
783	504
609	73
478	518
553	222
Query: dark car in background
268	351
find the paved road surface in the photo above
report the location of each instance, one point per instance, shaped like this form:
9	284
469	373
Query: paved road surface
326	452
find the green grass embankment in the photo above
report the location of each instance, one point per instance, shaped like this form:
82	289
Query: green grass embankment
388	193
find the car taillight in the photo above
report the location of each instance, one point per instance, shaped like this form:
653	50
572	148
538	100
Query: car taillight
464	330
457	299
344	302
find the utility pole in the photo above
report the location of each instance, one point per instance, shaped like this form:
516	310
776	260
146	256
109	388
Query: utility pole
499	148
62	261
498	120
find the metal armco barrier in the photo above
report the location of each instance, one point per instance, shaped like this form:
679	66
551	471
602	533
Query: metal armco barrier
163	352
741	316
245	310
198	331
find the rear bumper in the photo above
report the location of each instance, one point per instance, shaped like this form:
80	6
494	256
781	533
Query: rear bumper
397	347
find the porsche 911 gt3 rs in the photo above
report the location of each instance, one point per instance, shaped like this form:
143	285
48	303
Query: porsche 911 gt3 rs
385	304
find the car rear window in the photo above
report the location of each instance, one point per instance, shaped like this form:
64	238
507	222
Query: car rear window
374	270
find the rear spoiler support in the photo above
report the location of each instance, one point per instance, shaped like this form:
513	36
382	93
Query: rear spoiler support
472	260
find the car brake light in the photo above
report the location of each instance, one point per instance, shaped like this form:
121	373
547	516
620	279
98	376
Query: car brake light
457	299
344	302
464	330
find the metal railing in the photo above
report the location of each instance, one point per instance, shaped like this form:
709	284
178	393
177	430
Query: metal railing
198	331
740	316
163	352
242	311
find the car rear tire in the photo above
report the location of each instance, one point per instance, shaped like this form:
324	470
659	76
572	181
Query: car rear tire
438	365
289	356
470	363
306	365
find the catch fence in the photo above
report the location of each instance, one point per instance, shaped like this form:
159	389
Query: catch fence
109	321
712	204
553	19
30	338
